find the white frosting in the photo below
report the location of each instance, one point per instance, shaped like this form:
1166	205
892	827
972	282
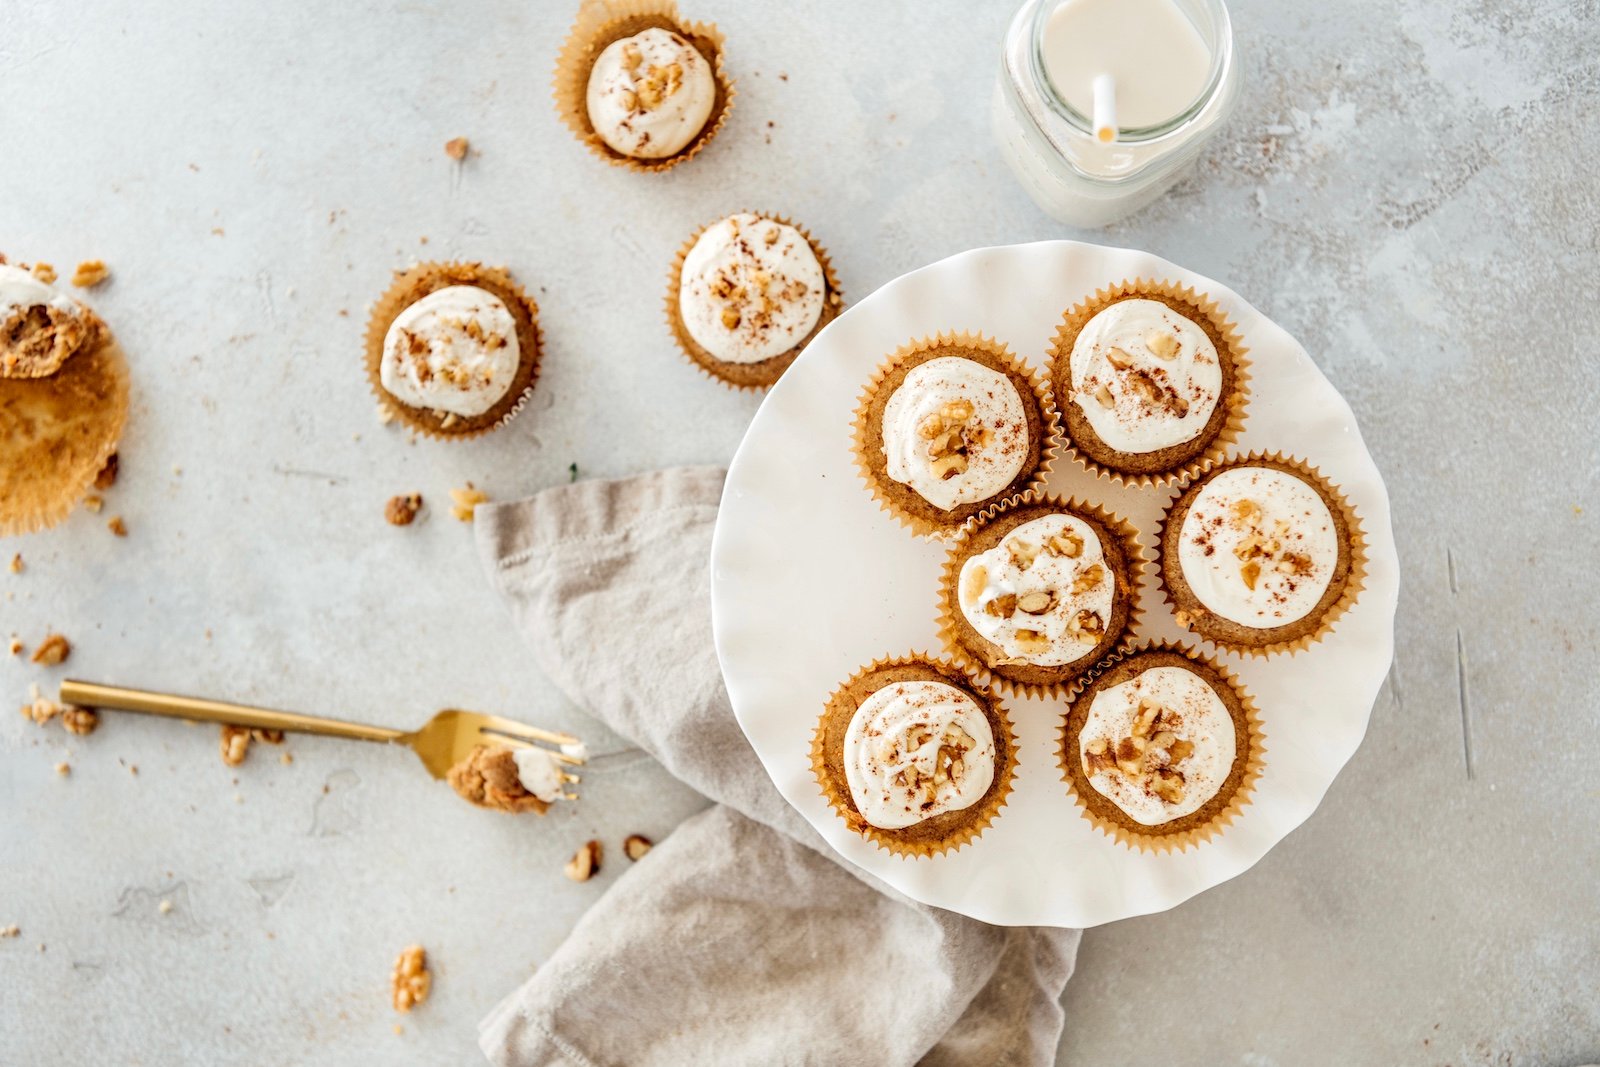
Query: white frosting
751	289
538	772
897	755
577	750
1202	720
455	350
994	437
1297	551
650	94
20	290
1156	402
1058	635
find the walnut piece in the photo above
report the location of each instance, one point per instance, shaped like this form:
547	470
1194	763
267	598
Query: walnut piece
411	981
464	502
90	273
1090	578
45	273
117	526
1148	756
1035	603
1086	626
1118	358
1066	543
585	863
401	510
1103	396
456	148
973	582
1023	553
634	846
52	650
235	744
1162	345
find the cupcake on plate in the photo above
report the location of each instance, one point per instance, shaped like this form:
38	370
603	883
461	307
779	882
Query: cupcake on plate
63	401
1150	379
641	87
452	349
914	756
1261	555
1161	749
1038	591
746	294
950	425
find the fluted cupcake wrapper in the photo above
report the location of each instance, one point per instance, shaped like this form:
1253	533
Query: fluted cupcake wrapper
863	445
401	295
58	431
601	22
949	607
1355	579
978	817
751	376
1154	839
1199	307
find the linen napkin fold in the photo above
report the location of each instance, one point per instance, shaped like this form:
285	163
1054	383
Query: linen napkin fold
742	938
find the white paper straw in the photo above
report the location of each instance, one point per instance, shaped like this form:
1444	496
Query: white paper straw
1105	108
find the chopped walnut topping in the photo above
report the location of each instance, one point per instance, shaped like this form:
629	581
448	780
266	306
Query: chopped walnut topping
585	863
456	148
401	510
90	272
1003	606
117	526
1086	626
1066	543
52	650
1022	553
1148	756
1162	345
976	579
411	981
1104	397
634	846
1035	603
1250	572
1118	358
45	273
1091	577
235	744
464	502
1031	642
731	318
108	474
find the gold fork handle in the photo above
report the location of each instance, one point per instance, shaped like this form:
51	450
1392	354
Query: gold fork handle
92	695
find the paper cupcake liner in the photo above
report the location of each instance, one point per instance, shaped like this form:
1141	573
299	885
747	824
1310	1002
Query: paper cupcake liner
1153	839
401	294
949	608
57	432
599	23
865	444
1354	583
978	817
1204	311
752	376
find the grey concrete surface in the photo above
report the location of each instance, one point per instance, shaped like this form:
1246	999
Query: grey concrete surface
1408	186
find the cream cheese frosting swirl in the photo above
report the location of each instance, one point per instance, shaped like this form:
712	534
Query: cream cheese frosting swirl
539	772
39	326
649	95
455	350
751	288
1144	376
1159	745
1258	546
915	750
1043	594
955	431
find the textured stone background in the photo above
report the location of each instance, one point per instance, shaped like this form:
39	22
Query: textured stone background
1408	187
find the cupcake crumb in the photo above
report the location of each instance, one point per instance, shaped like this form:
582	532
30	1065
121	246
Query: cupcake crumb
456	148
108	474
11	931
585	863
54	649
94	503
117	526
90	273
63	768
44	272
402	510
411	982
15	647
16	563
234	742
464	502
80	721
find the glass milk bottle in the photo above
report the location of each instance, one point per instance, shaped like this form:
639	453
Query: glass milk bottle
1101	105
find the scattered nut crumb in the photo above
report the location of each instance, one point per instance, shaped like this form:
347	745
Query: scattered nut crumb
235	742
165	907
108	474
411	979
63	769
464	502
634	846
117	526
456	148
399	1029
585	863
16	646
401	510
93	503
287	758
80	721
39	708
44	272
90	272
16	563
52	650
267	735
11	931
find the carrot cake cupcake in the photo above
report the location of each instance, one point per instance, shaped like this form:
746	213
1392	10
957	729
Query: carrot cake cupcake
747	294
950	425
914	756
1149	378
63	401
1162	749
453	348
1038	591
639	86
1260	554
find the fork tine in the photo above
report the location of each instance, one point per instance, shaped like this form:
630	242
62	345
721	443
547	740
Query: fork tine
519	742
530	733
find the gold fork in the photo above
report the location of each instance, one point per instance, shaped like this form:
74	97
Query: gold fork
441	742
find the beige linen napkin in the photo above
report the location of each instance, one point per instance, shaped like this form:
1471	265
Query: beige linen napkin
742	938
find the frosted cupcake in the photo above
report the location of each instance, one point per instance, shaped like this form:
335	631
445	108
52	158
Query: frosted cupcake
1150	379
63	401
1039	591
1162	749
746	295
914	756
452	349
1261	555
950	425
639	86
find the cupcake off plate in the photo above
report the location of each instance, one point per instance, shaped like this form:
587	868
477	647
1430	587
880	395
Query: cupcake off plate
810	580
